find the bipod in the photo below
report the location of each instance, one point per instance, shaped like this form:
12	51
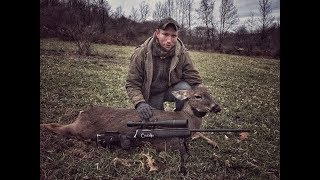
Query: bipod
184	150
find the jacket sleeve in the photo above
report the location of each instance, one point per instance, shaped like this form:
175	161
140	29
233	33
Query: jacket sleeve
134	80
190	74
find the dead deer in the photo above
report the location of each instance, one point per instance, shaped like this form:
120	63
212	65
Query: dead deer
99	119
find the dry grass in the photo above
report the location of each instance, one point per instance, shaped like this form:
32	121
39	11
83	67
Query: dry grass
246	88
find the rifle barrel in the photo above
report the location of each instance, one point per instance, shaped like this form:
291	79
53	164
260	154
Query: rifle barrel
219	130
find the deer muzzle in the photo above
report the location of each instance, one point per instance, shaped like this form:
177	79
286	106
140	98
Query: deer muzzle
215	108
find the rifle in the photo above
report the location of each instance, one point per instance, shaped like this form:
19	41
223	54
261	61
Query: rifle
158	129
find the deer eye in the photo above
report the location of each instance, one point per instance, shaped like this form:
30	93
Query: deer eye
198	97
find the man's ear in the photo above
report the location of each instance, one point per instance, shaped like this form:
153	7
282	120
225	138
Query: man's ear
181	94
157	32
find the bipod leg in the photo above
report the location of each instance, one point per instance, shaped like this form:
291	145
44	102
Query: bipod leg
184	150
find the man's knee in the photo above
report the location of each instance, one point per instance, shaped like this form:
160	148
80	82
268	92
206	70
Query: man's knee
181	86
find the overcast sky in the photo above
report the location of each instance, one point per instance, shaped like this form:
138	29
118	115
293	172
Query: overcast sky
244	6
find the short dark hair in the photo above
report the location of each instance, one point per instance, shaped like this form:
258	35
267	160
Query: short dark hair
163	23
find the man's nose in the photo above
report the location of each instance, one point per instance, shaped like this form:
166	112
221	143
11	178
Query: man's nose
169	40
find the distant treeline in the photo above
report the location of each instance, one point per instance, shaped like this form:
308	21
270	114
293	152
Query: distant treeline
89	21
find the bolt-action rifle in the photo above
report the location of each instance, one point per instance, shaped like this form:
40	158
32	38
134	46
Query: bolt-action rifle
159	129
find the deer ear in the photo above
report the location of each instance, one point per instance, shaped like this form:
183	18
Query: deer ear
181	94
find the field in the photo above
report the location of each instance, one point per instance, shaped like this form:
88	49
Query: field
247	90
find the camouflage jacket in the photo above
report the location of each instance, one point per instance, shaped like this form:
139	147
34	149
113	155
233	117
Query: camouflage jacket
140	72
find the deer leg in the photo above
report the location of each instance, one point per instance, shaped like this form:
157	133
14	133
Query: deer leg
184	151
200	135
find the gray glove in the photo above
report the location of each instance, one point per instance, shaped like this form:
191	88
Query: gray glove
144	110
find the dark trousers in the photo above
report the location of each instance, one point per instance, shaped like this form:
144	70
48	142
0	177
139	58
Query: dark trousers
157	100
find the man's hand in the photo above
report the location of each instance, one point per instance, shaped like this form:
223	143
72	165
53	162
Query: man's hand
144	110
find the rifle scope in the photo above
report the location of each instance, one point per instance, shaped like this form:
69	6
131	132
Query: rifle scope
165	123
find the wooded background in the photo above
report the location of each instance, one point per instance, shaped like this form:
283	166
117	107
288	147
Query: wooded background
93	21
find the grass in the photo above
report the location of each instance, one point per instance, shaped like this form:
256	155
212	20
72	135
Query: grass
247	89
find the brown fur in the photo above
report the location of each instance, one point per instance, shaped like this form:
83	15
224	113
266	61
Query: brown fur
99	119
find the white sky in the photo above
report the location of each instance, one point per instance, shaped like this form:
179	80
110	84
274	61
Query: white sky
244	6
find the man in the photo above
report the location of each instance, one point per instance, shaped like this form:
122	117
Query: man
159	66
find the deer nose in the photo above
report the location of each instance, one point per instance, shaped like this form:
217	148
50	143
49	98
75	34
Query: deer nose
215	108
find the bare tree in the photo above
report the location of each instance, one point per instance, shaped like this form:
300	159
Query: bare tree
228	19
266	19
251	25
189	4
177	10
181	8
200	33
104	10
170	7
118	12
241	40
205	13
160	12
81	35
189	8
134	15
251	22
144	11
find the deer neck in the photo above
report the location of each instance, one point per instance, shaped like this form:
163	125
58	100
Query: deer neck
198	114
192	111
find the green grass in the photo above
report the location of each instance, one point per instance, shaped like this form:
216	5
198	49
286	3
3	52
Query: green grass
247	89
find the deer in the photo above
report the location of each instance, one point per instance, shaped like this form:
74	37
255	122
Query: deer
98	119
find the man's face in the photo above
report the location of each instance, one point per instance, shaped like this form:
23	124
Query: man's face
168	37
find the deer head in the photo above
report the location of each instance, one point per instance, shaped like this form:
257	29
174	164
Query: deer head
198	100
